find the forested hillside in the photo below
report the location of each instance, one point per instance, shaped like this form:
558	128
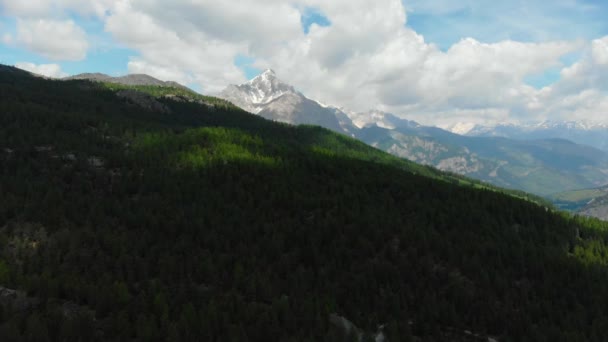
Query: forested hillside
151	214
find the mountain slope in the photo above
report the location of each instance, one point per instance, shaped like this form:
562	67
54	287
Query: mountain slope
597	207
122	222
129	80
539	166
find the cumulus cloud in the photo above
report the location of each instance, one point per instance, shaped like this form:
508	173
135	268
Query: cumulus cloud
582	92
54	39
599	51
367	58
54	8
49	70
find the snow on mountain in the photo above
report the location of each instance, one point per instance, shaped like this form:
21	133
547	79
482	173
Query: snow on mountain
380	119
254	95
572	125
269	97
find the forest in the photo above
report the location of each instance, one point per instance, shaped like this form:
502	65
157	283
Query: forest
202	222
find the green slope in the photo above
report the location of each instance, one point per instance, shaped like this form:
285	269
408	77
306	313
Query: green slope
206	223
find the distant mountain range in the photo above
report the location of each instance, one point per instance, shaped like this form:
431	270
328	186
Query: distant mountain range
586	133
526	157
537	160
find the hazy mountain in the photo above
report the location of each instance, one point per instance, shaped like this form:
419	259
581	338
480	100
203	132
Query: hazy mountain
380	119
585	133
273	99
540	166
131	80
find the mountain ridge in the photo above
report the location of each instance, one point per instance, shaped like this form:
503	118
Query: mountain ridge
513	163
130	80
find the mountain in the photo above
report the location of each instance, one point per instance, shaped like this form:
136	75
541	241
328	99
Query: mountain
275	100
204	222
539	166
380	119
130	80
585	133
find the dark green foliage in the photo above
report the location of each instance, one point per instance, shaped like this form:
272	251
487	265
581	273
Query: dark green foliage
211	224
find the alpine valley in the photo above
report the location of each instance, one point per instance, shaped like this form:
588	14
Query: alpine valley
539	159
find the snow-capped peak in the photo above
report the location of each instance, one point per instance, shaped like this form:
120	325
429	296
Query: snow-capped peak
266	87
578	125
259	91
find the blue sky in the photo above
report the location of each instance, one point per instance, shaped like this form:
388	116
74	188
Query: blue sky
526	21
105	54
436	59
493	21
440	24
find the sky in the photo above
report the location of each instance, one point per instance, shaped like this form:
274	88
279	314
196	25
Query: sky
439	62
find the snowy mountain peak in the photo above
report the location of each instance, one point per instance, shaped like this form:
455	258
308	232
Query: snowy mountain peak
266	95
268	73
261	90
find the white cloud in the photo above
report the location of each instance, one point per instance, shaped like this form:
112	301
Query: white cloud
582	91
599	50
49	70
189	56
367	58
44	9
54	39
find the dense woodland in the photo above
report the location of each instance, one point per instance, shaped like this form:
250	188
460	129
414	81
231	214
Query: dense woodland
206	223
